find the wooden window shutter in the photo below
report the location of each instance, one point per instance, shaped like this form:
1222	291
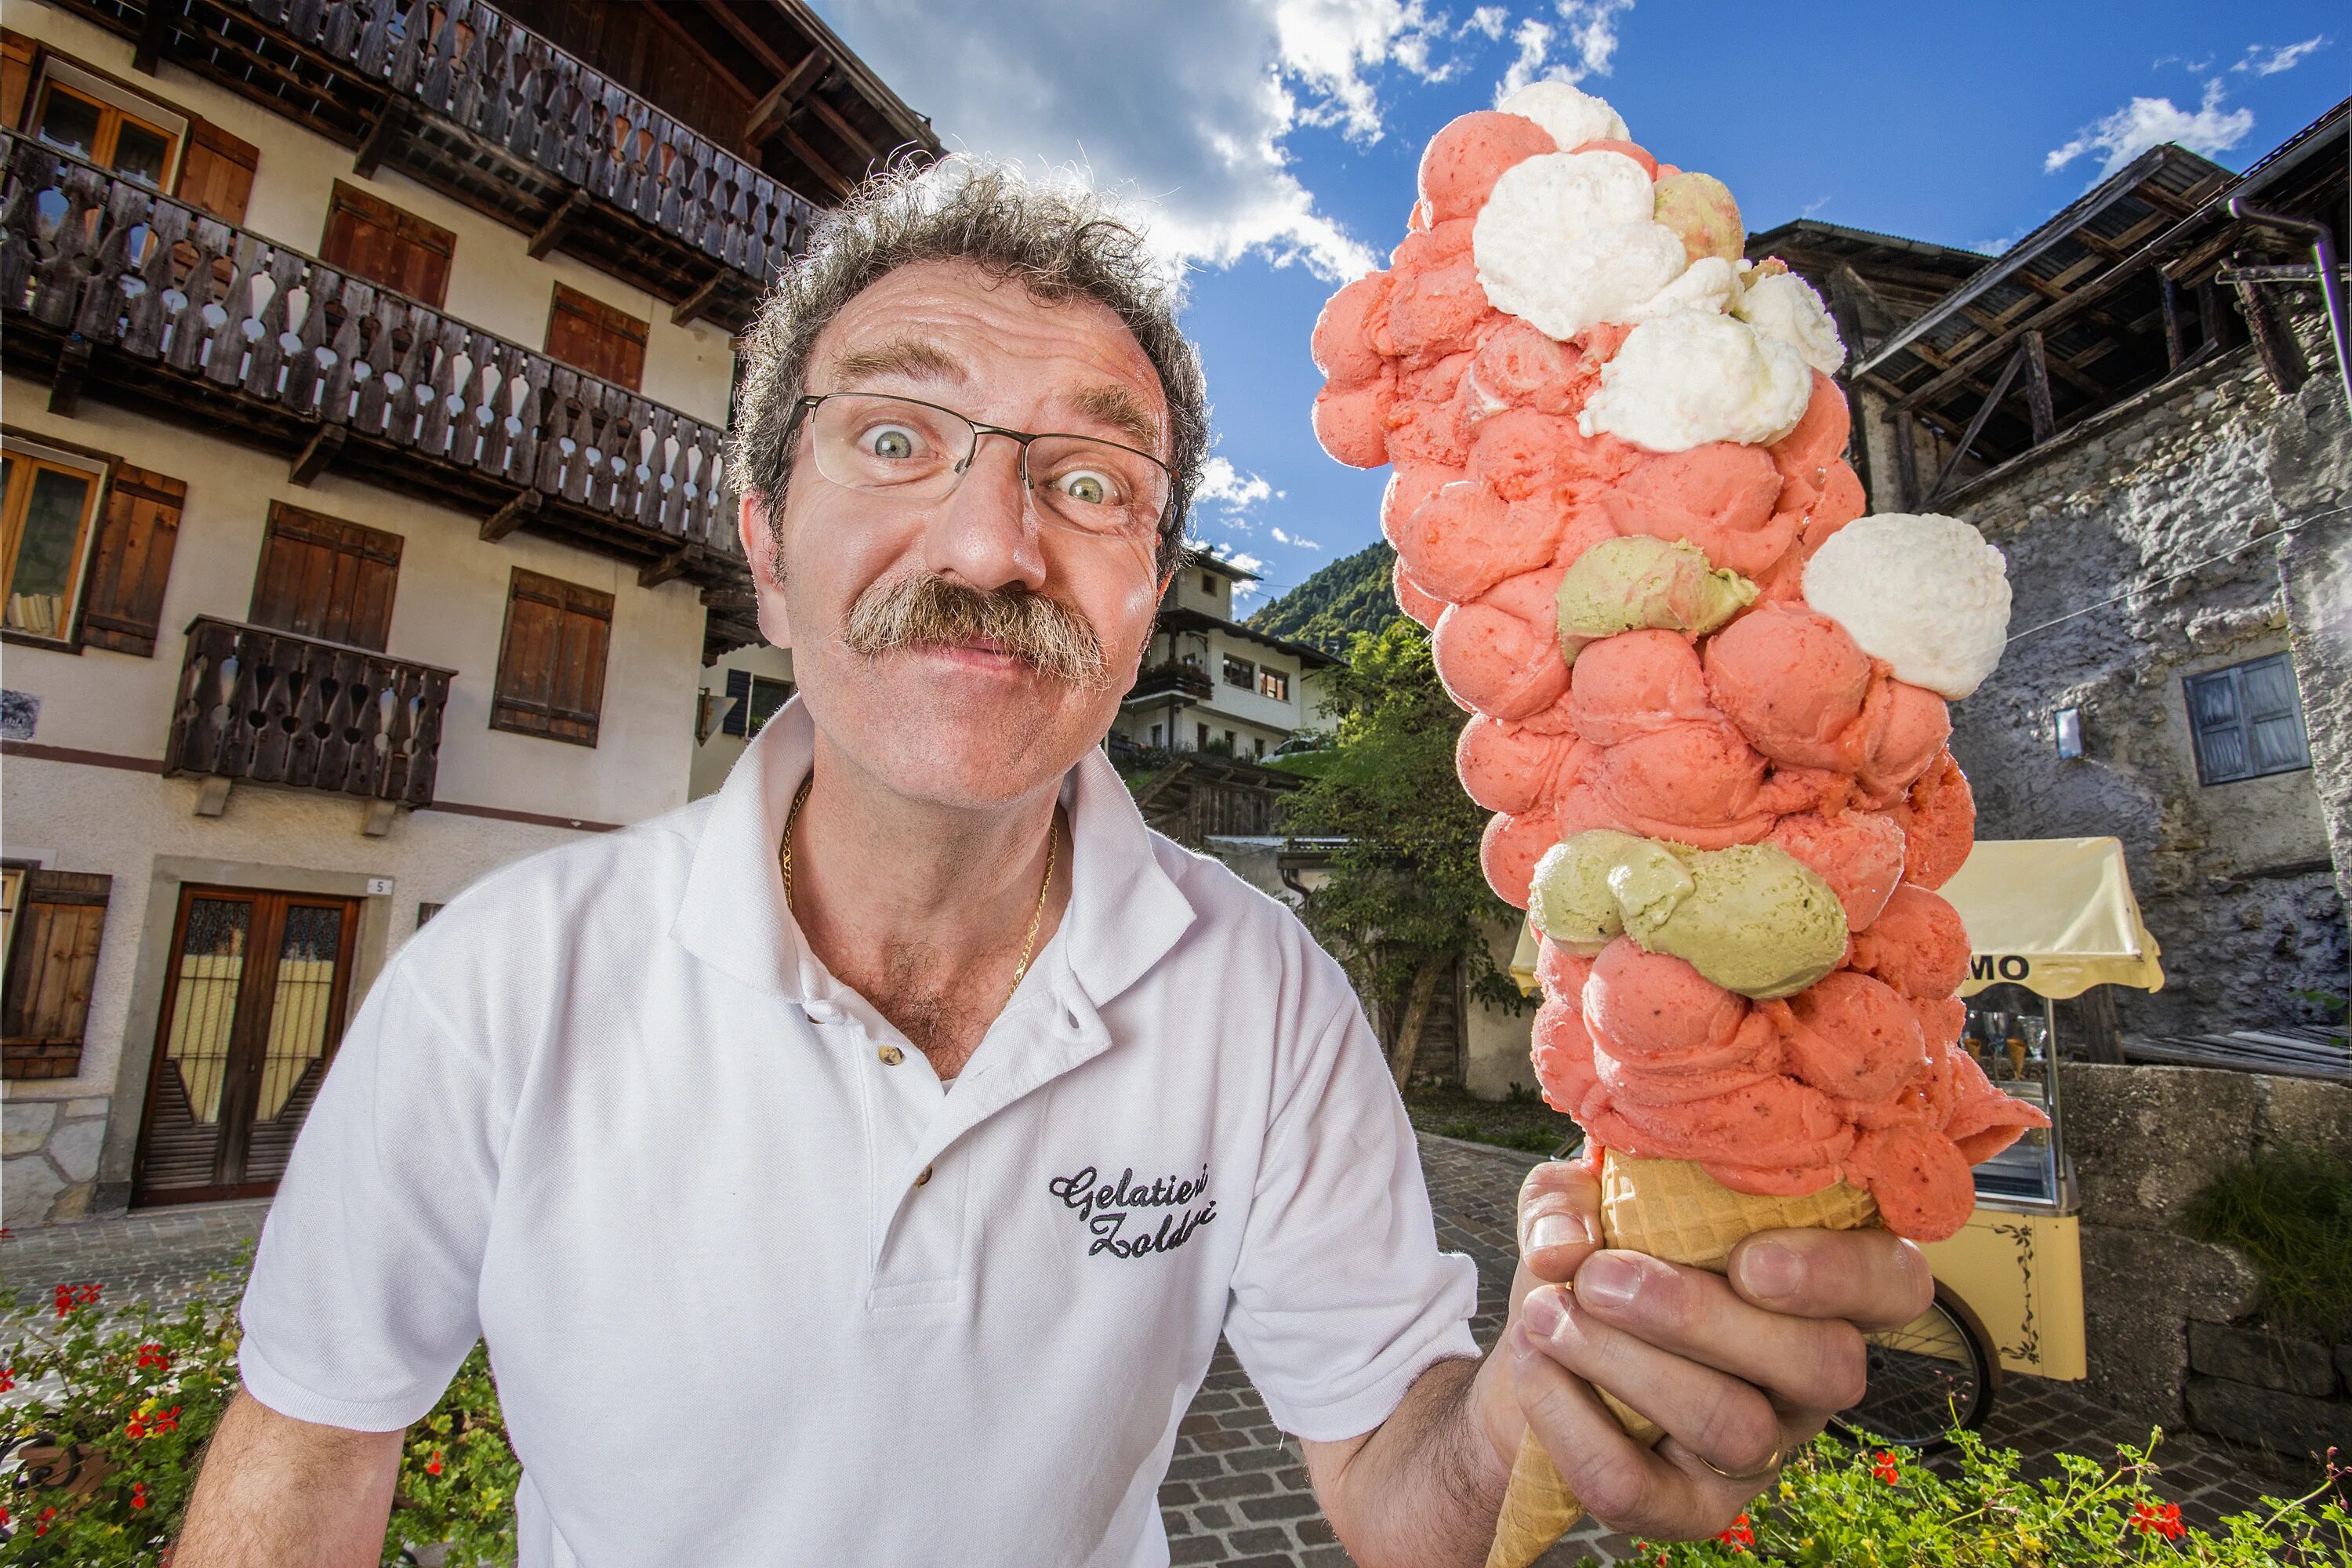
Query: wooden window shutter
131	561
323	577
53	957
551	659
369	238
737	720
17	60
216	175
594	337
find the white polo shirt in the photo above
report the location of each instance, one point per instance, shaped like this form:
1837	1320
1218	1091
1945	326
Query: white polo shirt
606	1113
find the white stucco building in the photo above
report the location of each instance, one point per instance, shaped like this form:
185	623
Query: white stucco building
362	405
1210	684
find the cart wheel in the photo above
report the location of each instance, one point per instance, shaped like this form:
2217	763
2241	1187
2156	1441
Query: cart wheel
1934	1373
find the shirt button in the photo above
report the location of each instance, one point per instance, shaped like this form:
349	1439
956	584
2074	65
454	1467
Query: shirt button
891	1056
924	1177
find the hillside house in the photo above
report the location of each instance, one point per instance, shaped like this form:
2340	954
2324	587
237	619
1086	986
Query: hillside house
1209	683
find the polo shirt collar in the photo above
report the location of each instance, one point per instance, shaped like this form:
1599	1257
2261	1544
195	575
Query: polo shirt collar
1125	912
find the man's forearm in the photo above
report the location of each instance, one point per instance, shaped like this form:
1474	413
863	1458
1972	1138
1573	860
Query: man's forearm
277	1491
1422	1492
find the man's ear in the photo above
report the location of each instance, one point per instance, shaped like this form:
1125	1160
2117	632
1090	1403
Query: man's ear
763	552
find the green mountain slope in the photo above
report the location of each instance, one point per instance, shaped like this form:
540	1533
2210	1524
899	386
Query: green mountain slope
1352	595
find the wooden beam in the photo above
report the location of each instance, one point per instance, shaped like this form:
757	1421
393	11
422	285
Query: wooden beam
844	129
511	516
676	563
381	137
776	108
1906	458
157	29
65	389
841	184
2176	347
2282	356
2037	390
550	234
315	457
696	305
723	13
1975	426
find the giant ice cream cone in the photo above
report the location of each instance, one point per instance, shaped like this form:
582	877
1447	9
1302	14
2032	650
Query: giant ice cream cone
1672	1210
1708	694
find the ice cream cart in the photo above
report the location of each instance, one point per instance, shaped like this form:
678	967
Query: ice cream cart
2047	918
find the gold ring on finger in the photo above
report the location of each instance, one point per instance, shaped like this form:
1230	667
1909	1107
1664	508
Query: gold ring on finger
1779	1456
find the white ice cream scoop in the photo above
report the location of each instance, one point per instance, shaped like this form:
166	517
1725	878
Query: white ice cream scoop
1926	594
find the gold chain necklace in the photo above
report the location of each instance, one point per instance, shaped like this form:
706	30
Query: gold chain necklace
1028	943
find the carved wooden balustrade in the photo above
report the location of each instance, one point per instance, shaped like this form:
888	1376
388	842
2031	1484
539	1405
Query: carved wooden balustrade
269	706
463	97
105	282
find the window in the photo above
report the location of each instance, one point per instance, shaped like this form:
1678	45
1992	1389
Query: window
1204	736
2247	720
1240	672
12	887
425	913
91	118
1209	584
1257	745
594	337
323	577
369	238
45	1002
50	498
1155	734
1274	683
552	660
756	699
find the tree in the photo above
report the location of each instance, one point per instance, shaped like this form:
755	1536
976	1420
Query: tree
1352	595
1406	897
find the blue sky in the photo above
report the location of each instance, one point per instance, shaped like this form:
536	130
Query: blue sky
1272	144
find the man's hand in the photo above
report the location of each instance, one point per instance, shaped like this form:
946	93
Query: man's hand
1738	1371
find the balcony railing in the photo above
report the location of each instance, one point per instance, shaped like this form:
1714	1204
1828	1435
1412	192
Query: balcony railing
269	706
103	280
1160	679
463	97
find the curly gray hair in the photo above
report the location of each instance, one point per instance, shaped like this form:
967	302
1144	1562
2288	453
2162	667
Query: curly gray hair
1059	243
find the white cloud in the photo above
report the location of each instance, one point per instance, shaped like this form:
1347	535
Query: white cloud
1814	206
1587	29
1489	20
2145	122
2263	61
1242	558
1187	107
1223	483
1294	541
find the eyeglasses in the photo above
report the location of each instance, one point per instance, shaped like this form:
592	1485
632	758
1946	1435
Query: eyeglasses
904	447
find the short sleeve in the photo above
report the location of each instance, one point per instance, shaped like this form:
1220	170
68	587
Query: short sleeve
1341	1297
362	1301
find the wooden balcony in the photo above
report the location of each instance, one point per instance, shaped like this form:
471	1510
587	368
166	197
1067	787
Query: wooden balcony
465	99
269	707
1173	677
106	286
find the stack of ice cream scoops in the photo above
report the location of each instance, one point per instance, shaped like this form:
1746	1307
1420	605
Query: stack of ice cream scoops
1708	694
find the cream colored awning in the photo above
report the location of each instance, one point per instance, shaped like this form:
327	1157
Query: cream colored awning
2054	915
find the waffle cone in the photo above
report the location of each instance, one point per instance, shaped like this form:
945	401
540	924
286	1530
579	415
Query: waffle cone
1673	1210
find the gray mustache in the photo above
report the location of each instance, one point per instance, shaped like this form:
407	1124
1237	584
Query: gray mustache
929	611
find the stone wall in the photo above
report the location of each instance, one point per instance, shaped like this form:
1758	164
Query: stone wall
2171	1324
2195	507
52	1148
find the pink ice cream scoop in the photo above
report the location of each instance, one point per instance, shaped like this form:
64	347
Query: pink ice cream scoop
1719	497
1506	767
1859	854
1939	817
1794	682
1462	162
1917	945
1637	683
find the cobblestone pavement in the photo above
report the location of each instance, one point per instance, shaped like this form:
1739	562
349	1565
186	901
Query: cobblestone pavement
1236	1492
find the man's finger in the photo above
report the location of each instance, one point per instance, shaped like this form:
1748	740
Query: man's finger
1621	1483
1806	1363
1559	1219
1724	1419
1873	1278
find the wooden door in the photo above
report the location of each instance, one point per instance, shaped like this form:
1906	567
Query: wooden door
253	1009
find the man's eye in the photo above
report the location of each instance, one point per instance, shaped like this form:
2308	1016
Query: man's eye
894	442
1090	486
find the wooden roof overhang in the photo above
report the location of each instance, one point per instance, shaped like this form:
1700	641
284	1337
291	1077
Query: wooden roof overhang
2118	292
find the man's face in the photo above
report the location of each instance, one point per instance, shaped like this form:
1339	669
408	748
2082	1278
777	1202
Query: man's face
960	722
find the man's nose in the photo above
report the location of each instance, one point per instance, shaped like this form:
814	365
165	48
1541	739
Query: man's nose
981	533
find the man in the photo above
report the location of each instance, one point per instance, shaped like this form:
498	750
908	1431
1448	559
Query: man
860	1166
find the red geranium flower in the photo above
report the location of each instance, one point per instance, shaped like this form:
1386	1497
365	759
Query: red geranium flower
1740	1536
2151	1518
7	1378
1886	1469
433	1465
139	1494
156	1356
